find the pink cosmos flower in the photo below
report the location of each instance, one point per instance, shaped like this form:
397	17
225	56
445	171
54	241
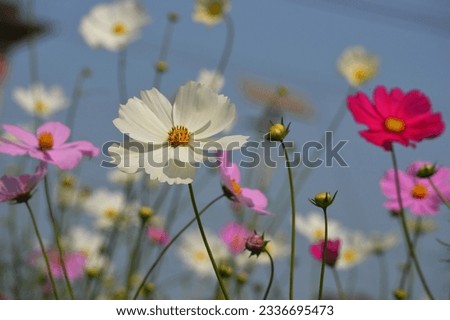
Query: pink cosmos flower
231	177
333	247
395	117
158	235
417	193
235	235
49	145
73	260
19	188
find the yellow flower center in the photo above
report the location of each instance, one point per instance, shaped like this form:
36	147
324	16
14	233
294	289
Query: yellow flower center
360	75
419	191
45	140
215	8
282	91
119	28
110	213
40	107
318	234
394	124
199	255
179	136
349	255
236	187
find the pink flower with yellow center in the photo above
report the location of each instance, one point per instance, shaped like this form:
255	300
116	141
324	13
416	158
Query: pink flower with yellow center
417	193
231	178
395	116
158	235
48	145
235	236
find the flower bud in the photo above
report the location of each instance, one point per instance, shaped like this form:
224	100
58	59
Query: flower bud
242	278
426	171
225	270
145	213
323	199
161	66
255	244
400	294
277	132
173	17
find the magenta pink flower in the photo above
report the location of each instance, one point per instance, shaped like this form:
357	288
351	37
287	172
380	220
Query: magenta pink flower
231	177
235	235
158	235
73	260
417	193
333	247
395	117
19	188
49	145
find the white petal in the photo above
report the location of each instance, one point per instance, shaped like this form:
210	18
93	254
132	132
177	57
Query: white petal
135	157
189	153
160	106
174	172
223	143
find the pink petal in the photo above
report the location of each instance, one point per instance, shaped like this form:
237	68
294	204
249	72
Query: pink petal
363	111
66	159
12	148
59	131
414	103
23	135
256	198
85	147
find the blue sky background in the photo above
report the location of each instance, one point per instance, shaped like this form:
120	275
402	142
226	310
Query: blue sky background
294	43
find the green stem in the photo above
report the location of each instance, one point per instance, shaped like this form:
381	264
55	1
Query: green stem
205	241
163	251
76	94
121	75
407	268
384	281
291	188
57	238
339	288
44	252
272	271
134	255
164	52
324	254
405	228
226	53
440	195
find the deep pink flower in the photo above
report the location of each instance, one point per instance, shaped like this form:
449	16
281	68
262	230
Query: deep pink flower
19	188
73	260
417	193
333	247
395	117
158	235
231	177
235	236
49	145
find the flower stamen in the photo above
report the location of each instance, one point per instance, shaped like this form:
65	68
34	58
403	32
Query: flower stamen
215	8
419	191
394	124
236	187
40	107
45	140
179	136
119	28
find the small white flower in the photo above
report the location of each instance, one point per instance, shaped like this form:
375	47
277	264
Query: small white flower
353	250
114	25
168	141
193	253
212	79
87	241
109	206
313	227
380	243
123	178
357	65
40	101
210	12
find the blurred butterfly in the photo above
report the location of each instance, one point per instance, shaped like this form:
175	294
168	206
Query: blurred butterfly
276	100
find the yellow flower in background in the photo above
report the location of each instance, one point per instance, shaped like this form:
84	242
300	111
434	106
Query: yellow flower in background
210	12
357	65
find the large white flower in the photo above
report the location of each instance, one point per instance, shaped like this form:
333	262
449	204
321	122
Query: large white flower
312	227
168	141
40	101
357	65
114	25
210	12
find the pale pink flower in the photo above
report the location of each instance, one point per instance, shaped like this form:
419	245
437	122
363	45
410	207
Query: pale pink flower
235	235
231	177
49	145
158	235
19	188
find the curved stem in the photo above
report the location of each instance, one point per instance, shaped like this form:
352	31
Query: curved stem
44	252
205	241
57	238
133	258
339	288
440	195
164	52
272	271
291	188
121	75
163	251
324	254
76	94
405	228
226	53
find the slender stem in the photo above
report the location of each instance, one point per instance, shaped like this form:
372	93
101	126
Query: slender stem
405	228
76	94
226	53
384	280
121	75
57	238
407	267
272	271
291	188
44	252
164	52
134	255
339	288
163	251
205	241
324	254
440	195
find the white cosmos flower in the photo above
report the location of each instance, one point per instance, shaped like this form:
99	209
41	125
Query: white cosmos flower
210	12
353	249
167	141
312	227
211	78
357	65
123	178
379	243
40	101
114	25
85	240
